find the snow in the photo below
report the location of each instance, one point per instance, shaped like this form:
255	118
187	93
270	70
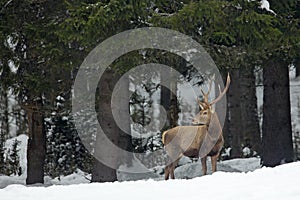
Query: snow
266	5
243	164
226	152
281	182
246	151
187	169
13	67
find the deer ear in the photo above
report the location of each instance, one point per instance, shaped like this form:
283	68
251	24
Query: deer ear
212	109
200	104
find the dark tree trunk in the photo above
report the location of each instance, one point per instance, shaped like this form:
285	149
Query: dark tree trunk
5	112
4	125
165	101
226	131
277	130
36	149
250	124
234	106
169	102
101	172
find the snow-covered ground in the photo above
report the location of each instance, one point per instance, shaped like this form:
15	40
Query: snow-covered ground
186	169
281	182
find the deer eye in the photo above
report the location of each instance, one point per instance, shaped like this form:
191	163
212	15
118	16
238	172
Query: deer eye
205	113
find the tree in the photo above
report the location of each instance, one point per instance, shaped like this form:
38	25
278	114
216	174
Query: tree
37	54
250	126
277	130
4	126
235	123
13	159
65	152
101	172
87	25
235	38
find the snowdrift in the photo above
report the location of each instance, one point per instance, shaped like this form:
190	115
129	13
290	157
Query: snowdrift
281	182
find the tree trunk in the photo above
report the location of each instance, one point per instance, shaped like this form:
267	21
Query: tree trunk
165	101
169	101
250	124
235	117
101	172
36	149
5	111
4	126
277	130
226	131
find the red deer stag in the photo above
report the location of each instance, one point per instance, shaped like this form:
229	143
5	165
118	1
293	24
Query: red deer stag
203	139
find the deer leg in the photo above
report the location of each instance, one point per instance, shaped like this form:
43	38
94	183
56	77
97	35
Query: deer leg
172	171
173	165
214	163
167	172
204	166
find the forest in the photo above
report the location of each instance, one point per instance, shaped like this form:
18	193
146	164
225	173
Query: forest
44	44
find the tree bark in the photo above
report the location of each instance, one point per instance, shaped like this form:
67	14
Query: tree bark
120	137
235	114
169	101
4	126
5	116
277	130
101	172
165	101
36	149
250	124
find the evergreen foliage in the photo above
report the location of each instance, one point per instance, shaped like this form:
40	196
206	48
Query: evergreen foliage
64	151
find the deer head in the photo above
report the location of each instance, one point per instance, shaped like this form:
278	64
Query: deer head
204	116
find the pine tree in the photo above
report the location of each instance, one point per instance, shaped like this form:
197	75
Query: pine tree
277	131
65	151
38	53
141	114
14	159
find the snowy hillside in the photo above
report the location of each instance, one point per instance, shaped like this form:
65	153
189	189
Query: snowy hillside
267	183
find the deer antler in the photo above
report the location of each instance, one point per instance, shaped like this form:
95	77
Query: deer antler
221	93
206	95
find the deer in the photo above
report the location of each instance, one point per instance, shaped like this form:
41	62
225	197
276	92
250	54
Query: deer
201	139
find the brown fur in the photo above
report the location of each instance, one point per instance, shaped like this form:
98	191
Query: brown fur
188	141
196	141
